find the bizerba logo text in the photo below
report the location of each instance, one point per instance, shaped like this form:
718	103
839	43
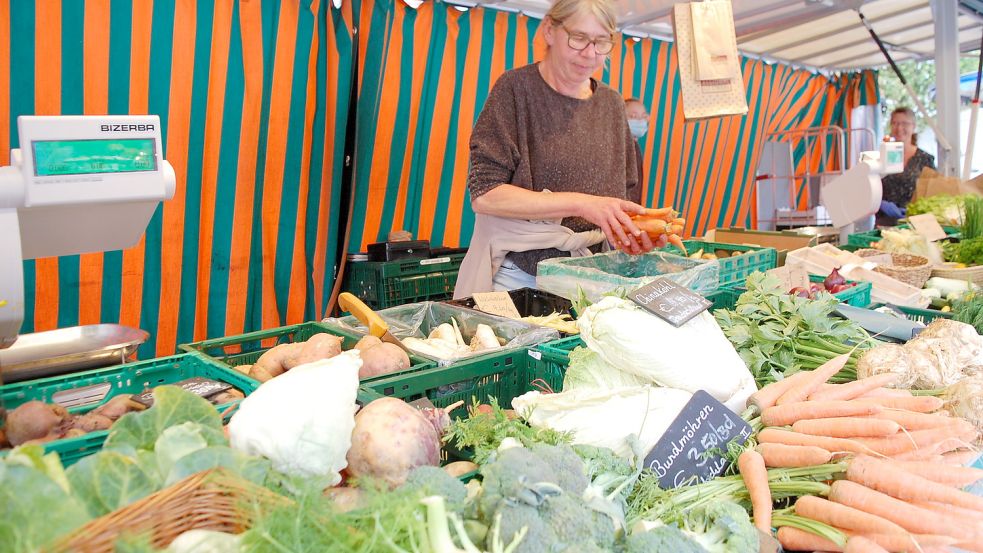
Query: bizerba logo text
126	128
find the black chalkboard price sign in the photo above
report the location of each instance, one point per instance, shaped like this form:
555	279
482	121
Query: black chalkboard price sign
669	301
692	449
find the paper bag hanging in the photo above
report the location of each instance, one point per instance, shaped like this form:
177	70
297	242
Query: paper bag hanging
704	98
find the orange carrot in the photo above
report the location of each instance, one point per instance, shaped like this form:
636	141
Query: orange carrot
953	476
755	476
787	437
846	427
918	404
769	394
665	213
886	392
842	516
945	509
781	415
918	439
860	544
911	518
855	389
961	457
887	477
910	420
801	390
788	456
904	541
799	540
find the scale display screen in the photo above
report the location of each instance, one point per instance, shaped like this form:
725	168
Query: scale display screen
84	157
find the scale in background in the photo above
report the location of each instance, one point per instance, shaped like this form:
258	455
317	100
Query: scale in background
78	184
833	201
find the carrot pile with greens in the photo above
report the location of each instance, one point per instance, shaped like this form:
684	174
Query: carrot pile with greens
853	467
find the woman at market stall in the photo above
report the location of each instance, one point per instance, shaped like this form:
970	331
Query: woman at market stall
552	143
900	187
638	124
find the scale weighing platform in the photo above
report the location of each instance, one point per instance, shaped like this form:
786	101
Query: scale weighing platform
78	184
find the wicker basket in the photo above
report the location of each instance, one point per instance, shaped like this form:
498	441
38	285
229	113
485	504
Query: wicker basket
972	274
910	269
210	500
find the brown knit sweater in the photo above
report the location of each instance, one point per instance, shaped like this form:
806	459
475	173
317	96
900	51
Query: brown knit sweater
531	136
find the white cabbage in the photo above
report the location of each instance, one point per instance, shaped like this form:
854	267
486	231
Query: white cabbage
303	419
695	356
613	418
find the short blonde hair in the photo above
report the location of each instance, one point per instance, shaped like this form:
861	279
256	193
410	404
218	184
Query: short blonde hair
603	10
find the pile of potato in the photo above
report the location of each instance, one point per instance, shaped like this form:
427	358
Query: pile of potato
40	422
378	357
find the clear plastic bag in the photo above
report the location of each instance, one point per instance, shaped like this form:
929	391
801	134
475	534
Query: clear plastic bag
418	319
618	272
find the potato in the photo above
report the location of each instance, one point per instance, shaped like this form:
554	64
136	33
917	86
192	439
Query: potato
73	433
276	360
344	499
390	439
90	422
259	373
318	347
383	359
227	396
367	342
244	369
458	469
118	406
33	420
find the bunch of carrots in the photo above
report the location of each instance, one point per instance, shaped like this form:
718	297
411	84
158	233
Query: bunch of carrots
662	221
900	466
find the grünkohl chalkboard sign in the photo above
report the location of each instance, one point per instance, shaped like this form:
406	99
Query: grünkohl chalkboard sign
669	301
694	444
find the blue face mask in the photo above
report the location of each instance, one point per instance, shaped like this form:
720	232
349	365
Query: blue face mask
638	127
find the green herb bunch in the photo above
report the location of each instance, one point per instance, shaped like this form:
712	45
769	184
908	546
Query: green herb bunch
778	334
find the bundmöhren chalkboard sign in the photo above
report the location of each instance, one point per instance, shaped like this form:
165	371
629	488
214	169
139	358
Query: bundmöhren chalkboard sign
695	443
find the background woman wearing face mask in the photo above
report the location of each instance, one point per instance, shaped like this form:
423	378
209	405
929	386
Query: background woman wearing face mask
900	187
638	124
551	126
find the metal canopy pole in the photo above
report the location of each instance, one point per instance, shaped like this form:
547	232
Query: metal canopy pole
943	142
946	13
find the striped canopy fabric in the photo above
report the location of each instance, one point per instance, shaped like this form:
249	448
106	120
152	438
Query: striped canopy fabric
253	100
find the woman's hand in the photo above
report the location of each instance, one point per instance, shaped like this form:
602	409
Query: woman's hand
613	217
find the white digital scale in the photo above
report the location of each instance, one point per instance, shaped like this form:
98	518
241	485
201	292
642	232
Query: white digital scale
857	193
78	184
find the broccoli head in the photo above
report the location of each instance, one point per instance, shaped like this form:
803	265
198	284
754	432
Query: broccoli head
566	464
435	481
516	474
723	527
663	538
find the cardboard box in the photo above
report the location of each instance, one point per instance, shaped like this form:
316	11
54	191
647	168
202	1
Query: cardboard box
933	183
783	241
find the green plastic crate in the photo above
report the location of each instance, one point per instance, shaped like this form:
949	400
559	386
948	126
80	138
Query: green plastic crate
388	283
503	377
561	347
95	387
245	349
865	239
923	316
724	298
742	259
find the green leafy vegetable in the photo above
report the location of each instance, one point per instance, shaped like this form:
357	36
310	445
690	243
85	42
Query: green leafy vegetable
947	209
254	469
172	406
484	432
35	506
109	480
778	334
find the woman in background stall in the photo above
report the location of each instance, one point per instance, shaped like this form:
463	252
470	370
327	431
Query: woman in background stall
900	187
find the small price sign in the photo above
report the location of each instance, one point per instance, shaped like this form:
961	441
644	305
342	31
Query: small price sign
496	303
928	226
669	301
692	449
